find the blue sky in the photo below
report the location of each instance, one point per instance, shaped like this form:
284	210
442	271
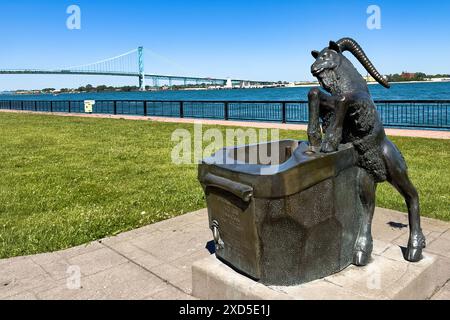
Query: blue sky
256	39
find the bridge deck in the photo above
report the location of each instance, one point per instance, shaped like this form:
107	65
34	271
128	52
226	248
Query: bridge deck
133	74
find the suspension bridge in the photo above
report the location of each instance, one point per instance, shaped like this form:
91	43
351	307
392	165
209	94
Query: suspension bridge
131	64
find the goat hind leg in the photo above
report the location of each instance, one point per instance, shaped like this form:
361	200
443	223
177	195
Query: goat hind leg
417	241
364	244
398	177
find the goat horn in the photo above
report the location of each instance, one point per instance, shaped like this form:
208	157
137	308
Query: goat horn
348	44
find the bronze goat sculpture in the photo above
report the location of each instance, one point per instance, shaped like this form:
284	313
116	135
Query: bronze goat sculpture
349	115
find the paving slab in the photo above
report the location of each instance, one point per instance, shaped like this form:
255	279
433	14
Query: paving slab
79	250
443	293
171	294
440	246
446	235
23	296
25	286
155	262
96	261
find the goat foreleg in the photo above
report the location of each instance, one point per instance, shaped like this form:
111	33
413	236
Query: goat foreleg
314	131
318	102
333	135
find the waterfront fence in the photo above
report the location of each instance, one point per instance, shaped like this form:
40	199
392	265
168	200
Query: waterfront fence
396	114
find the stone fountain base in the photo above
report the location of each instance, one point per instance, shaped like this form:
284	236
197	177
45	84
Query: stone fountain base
389	276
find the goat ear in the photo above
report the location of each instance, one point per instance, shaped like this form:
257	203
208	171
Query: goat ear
315	54
334	46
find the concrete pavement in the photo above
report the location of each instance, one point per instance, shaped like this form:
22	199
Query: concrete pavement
154	262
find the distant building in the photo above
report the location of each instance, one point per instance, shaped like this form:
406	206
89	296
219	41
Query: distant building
438	79
408	76
369	78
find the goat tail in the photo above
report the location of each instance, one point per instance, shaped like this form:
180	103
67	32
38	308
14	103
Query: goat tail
348	44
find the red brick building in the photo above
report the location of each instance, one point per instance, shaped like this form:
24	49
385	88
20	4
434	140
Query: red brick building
408	76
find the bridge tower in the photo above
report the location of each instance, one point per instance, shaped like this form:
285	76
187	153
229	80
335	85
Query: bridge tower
141	68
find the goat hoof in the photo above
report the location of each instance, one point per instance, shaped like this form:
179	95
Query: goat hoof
361	259
363	251
414	254
417	240
417	243
328	147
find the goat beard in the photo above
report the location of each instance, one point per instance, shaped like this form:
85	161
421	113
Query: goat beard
329	81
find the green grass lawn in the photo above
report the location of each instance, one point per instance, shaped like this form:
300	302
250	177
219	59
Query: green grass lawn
68	181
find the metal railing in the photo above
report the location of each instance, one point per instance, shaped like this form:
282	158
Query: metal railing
399	113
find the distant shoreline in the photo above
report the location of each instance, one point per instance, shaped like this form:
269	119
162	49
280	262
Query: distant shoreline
308	85
425	81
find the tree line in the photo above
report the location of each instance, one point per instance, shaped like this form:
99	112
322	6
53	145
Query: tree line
417	76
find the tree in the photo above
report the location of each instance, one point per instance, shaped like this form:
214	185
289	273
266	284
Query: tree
420	76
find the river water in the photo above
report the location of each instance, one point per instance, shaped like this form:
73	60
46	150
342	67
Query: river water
401	91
